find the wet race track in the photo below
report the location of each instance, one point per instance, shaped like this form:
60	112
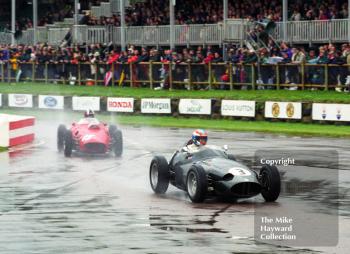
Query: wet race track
50	204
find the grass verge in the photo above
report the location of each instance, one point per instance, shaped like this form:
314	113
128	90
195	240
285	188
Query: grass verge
261	95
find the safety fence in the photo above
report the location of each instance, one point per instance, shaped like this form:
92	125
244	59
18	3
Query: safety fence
189	76
185	35
293	111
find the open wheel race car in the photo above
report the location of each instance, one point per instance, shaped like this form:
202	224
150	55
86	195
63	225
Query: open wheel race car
212	172
89	136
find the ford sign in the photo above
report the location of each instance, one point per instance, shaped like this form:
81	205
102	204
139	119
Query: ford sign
50	102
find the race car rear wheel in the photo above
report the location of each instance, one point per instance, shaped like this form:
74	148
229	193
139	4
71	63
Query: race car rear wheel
159	175
117	143
68	144
270	181
61	132
197	184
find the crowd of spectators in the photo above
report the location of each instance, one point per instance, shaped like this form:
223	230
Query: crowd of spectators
151	12
63	61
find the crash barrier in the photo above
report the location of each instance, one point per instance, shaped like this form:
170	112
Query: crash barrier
224	76
16	130
209	108
315	31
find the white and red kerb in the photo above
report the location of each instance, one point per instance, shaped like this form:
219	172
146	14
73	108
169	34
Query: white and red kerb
16	130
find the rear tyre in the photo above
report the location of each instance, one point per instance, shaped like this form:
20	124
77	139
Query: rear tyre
197	184
118	143
61	132
270	181
68	144
159	175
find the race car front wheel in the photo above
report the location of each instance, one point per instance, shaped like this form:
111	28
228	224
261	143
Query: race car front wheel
159	175
118	143
197	184
61	132
68	144
270	181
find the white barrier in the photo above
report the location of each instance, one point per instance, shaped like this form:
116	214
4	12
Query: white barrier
120	104
16	130
156	106
195	106
238	108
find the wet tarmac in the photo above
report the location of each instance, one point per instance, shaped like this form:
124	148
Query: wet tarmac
50	204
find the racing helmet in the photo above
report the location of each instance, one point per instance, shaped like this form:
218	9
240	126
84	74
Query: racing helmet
89	113
200	137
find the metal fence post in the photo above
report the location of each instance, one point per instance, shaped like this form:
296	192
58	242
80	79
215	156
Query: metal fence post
113	81
33	71
79	75
96	81
278	77
170	76
189	77
210	76
8	72
46	73
2	73
326	77
231	78
302	76
151	74
131	75
253	77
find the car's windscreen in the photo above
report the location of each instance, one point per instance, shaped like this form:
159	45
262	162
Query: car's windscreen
206	153
89	121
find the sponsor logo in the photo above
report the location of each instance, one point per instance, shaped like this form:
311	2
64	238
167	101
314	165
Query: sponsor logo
155	105
241	108
50	102
338	114
120	104
20	99
290	110
275	110
324	113
195	108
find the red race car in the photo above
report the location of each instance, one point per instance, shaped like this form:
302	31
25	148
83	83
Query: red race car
89	136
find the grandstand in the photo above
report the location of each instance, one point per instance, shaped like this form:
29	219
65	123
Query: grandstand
197	22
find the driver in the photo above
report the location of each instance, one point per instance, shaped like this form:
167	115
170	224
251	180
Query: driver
199	139
89	113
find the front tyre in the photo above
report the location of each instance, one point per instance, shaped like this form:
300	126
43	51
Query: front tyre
197	184
270	181
159	175
61	132
68	144
118	143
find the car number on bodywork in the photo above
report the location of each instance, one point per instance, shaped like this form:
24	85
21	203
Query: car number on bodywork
239	172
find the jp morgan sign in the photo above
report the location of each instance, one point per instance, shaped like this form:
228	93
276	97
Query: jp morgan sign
156	106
